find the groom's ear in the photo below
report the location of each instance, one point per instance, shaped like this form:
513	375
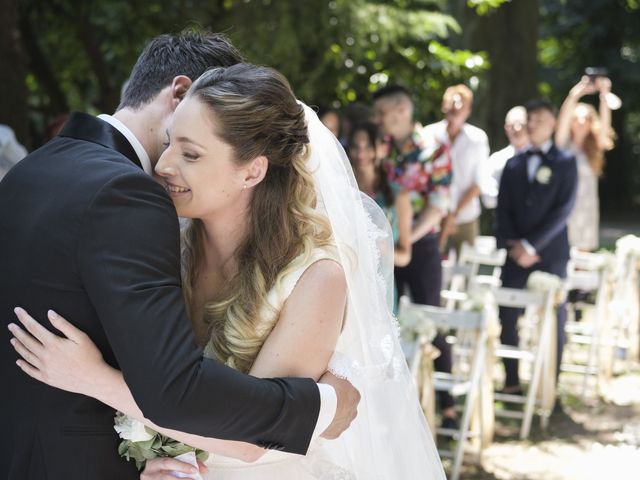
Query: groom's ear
256	171
179	87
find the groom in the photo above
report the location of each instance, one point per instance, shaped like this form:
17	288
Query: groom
87	232
536	195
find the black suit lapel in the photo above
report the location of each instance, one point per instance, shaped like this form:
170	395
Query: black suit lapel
83	126
522	174
550	157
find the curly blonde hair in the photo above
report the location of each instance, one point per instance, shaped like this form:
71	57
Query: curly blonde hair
258	114
594	144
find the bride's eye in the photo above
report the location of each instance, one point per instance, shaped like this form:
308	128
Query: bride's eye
192	157
166	144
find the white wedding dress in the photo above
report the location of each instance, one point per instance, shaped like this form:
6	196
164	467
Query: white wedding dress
389	439
275	464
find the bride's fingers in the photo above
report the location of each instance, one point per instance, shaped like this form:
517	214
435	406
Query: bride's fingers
27	340
30	370
25	353
34	327
67	329
158	476
168	464
203	468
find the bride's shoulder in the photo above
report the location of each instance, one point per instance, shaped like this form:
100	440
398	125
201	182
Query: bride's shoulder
321	262
316	266
325	269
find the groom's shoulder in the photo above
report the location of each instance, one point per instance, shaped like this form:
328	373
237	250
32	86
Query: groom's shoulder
96	167
514	162
80	172
564	160
564	155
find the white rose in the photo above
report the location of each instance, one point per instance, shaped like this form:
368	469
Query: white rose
543	175
131	429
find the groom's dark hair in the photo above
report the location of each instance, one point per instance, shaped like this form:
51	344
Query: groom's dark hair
188	53
541	104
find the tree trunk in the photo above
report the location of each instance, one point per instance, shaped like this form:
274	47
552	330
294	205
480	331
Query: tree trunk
13	94
509	35
40	66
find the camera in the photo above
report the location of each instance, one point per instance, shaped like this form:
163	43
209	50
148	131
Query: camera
595	72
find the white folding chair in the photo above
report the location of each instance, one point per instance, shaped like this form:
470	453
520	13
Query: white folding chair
485	243
467	376
455	278
420	353
589	273
481	259
460	277
623	306
537	348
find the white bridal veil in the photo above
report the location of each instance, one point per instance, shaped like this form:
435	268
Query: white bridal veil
390	438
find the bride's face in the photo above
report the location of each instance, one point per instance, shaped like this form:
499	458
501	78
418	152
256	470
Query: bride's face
197	168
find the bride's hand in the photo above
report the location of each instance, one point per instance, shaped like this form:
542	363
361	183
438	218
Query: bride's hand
162	468
71	362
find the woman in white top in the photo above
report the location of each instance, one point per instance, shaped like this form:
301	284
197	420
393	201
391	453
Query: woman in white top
588	134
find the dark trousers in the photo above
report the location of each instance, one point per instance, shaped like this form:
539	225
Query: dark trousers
422	280
514	276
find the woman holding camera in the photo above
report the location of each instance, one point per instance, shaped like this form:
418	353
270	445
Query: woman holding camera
587	134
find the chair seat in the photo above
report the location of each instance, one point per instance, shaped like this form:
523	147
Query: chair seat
487	280
450	295
455	434
445	382
510	414
581	339
583	369
509	398
509	351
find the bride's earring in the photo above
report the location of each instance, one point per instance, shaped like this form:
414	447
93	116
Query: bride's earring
244	187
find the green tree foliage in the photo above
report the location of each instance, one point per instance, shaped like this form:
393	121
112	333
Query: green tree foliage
339	51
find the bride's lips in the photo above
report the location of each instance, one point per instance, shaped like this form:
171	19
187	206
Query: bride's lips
175	190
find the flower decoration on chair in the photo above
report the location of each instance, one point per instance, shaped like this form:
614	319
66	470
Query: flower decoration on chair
629	244
546	282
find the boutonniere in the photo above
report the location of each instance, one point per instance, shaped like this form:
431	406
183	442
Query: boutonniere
543	175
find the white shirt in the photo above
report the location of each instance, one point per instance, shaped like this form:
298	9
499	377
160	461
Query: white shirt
533	162
469	155
328	397
493	174
135	143
11	151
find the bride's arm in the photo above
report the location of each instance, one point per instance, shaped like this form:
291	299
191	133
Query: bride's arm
301	343
75	364
305	337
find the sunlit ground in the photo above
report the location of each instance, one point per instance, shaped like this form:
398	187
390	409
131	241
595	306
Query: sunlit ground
587	440
590	438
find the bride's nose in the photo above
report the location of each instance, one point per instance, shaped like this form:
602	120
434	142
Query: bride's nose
164	167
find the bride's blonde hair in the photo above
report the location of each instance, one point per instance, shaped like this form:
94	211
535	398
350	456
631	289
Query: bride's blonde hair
257	114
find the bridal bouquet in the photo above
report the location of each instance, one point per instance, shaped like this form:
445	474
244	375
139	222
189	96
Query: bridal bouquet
141	443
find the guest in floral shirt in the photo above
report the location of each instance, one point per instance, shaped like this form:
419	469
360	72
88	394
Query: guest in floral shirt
421	167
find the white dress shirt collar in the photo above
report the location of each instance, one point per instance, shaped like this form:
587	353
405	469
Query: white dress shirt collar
544	148
135	143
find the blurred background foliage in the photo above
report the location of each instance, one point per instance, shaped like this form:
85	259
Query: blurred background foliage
64	55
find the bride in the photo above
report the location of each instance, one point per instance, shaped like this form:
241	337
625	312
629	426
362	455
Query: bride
286	271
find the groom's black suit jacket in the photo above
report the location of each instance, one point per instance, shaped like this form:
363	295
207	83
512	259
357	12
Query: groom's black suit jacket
86	232
536	212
